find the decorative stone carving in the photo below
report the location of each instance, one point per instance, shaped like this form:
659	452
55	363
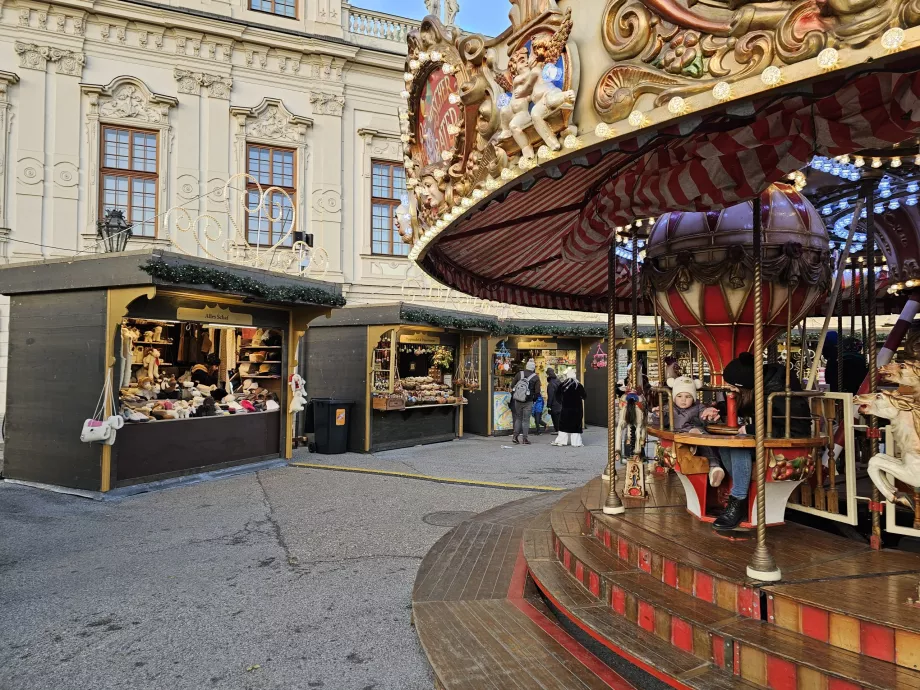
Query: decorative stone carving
79	26
327	201
273	121
6	80
327	103
217	86
30	171
129	99
187	186
61	23
32	56
188	82
325	67
66	174
25	16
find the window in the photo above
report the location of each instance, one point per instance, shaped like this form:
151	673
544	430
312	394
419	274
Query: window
388	190
129	177
271	167
283	8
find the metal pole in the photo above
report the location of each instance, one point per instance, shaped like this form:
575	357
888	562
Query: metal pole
863	295
762	566
612	505
873	432
839	382
661	377
636	381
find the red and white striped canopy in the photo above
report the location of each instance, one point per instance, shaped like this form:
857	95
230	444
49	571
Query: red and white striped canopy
542	241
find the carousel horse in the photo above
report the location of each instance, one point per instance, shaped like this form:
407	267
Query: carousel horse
905	374
904	413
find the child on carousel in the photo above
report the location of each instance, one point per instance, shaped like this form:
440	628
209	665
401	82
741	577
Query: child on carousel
690	416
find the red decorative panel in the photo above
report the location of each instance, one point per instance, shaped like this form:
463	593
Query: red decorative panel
718	651
646	616
703	586
681	634
838	684
579	571
623	549
745	601
607	538
567	558
876	641
736	658
669	573
645	560
618	600
815	622
594	584
780	674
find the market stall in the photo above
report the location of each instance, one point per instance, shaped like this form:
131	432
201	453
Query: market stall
411	372
187	359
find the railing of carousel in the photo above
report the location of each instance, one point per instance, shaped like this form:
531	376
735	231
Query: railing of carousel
371	24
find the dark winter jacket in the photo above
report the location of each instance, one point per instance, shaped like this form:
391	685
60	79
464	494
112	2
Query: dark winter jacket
573	395
535	385
774	381
553	399
684	419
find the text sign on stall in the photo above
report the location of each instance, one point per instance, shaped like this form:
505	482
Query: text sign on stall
536	345
419	339
215	315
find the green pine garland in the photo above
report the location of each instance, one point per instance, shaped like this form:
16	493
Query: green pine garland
225	281
495	327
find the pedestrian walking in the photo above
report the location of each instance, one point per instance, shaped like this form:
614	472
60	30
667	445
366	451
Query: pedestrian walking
553	399
570	420
525	389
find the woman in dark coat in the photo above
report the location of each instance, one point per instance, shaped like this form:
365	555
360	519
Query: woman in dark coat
572	395
553	399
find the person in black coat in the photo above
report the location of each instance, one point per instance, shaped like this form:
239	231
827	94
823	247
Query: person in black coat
553	399
739	375
573	396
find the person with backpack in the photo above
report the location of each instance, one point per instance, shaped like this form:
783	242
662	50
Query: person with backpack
525	389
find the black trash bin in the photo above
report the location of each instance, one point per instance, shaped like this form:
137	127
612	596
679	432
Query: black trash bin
330	420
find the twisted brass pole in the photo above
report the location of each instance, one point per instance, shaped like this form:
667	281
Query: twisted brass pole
612	504
634	270
875	512
762	566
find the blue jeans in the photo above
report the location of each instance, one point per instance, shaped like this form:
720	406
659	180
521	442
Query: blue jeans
739	467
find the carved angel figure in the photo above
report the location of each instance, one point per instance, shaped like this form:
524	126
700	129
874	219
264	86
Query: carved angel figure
529	85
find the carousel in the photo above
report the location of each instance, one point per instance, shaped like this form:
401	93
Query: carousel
756	165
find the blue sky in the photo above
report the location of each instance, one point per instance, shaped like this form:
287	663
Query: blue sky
488	17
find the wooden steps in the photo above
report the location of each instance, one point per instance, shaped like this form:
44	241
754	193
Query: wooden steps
687	588
475	626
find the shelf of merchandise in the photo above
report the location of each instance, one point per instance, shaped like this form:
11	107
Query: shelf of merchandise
161	364
260	347
145	343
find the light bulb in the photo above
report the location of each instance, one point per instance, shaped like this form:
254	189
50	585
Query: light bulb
895	162
446	156
572	142
722	91
408	76
771	76
859	161
678	106
405	95
637	119
436	56
876	162
447	68
893	39
423	57
828	59
414	65
603	130
454	99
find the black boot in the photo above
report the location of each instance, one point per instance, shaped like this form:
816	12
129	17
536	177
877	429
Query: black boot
733	515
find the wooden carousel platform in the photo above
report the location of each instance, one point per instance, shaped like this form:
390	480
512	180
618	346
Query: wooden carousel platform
653	598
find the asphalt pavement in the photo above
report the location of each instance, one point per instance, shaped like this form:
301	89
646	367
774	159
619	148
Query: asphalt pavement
287	578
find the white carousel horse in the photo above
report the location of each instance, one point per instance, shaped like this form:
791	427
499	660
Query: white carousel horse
905	374
904	413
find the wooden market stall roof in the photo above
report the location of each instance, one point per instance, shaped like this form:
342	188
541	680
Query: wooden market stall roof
166	269
401	313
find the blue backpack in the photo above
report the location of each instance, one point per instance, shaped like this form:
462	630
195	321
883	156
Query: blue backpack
538	405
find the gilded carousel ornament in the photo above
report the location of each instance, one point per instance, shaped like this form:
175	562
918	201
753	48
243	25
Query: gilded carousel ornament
669	49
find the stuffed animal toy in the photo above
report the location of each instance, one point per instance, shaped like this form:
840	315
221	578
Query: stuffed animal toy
96	430
152	363
157	334
148	336
146	388
298	398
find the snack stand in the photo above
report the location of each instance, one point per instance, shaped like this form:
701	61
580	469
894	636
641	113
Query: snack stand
142	331
409	377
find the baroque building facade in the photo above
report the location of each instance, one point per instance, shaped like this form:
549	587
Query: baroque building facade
171	111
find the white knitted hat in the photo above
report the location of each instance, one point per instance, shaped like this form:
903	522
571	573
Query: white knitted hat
684	384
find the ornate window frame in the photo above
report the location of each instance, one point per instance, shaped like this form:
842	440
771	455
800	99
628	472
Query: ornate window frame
270	123
126	101
377	146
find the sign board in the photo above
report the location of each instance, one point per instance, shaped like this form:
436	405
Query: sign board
436	116
340	416
537	345
215	314
419	339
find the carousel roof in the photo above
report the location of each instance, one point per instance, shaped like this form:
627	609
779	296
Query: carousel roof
537	234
